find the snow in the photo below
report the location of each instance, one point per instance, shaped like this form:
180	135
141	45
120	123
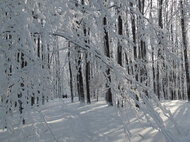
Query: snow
62	121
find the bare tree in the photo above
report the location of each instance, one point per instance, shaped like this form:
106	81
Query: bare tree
184	39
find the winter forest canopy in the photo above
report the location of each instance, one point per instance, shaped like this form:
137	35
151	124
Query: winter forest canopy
133	53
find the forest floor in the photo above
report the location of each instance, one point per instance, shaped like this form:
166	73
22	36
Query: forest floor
62	121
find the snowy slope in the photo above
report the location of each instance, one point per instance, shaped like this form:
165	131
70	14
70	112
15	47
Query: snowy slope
62	121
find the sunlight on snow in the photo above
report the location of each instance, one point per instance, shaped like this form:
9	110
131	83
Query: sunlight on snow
95	108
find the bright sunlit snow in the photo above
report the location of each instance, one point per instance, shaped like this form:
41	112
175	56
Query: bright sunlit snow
62	121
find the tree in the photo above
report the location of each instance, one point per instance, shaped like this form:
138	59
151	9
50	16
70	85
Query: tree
107	53
71	74
184	39
86	31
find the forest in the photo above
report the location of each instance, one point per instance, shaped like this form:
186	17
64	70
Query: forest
69	68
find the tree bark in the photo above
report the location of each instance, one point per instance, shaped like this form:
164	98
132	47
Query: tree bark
184	40
107	53
71	74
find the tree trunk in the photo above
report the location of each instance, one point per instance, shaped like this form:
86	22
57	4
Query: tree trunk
133	26
119	48
107	53
71	75
80	79
160	24
184	40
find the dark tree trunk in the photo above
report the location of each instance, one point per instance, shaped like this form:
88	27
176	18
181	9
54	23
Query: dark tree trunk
80	79
107	53
88	81
160	24
184	40
71	75
133	26
142	46
23	64
153	54
119	50
32	100
87	33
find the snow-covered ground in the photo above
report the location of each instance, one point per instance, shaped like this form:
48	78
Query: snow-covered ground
62	121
